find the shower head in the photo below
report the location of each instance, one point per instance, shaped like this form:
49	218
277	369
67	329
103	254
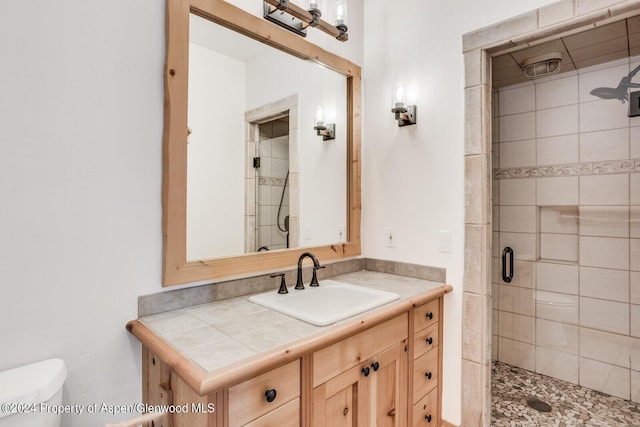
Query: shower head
542	65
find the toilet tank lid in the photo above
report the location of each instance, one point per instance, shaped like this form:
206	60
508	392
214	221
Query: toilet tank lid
34	383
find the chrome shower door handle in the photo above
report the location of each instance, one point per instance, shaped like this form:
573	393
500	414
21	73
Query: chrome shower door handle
507	251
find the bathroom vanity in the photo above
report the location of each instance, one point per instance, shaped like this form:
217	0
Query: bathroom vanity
382	367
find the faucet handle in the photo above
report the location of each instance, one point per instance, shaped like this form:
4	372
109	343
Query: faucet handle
283	284
314	278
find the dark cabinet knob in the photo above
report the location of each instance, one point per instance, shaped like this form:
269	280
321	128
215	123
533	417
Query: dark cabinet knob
428	375
375	366
365	371
429	340
270	395
428	418
430	315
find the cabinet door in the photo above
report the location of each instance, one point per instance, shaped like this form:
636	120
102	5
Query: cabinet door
389	388
343	400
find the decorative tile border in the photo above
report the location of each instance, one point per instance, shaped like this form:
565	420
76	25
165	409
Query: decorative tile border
270	180
572	169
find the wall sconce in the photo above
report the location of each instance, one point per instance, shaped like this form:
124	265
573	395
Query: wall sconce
405	115
327	131
296	19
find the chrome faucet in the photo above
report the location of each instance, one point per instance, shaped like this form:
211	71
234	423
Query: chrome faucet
316	266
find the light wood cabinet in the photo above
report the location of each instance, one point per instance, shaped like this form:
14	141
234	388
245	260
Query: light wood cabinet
386	375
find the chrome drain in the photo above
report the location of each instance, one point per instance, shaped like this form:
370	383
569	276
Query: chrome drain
538	405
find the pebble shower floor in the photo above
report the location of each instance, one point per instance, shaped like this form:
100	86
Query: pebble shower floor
571	405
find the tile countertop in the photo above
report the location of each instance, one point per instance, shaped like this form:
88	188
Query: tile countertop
217	335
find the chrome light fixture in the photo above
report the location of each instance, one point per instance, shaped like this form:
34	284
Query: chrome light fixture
404	114
294	18
327	131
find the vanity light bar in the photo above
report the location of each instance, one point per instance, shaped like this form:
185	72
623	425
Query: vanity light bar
296	19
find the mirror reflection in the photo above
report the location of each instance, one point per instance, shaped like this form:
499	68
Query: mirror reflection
259	178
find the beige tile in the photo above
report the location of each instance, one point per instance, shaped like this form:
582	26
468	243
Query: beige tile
605	252
475	319
477	126
518	191
635	320
604	145
614	349
606	378
602	115
588	6
477	182
604	189
521	99
516	353
494	347
635	386
473	68
556	12
495	246
557	121
477	381
634	187
604	284
559	191
634	284
517	327
495	321
557	150
606	58
557	277
476	272
558	307
557	92
557	364
523	274
557	335
560	247
634	248
495	216
600	50
517	127
524	245
604	315
518	154
518	219
504	30
562	220
605	76
517	300
606	221
634	138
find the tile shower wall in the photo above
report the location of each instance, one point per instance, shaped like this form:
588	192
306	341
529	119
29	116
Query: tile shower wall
566	198
273	149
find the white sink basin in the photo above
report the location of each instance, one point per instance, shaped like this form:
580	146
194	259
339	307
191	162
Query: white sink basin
328	303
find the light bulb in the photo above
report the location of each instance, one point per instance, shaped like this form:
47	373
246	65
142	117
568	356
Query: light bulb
319	116
341	12
398	95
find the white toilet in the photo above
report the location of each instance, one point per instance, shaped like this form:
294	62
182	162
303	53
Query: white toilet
28	391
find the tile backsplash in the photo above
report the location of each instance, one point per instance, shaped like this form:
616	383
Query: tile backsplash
566	168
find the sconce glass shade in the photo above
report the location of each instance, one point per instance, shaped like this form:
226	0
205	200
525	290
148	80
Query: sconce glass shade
403	113
326	130
319	118
341	13
398	96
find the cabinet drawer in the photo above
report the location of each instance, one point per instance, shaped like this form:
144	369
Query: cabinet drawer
345	354
247	400
425	374
425	340
426	315
425	412
288	415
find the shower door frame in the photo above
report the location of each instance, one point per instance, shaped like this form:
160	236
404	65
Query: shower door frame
538	26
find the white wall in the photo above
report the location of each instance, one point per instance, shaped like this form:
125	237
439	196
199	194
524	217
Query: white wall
413	177
80	171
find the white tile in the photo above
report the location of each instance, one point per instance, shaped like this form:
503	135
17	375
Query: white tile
518	154
604	315
606	221
557	191
635	386
604	145
634	138
517	127
634	218
635	320
494	347
495	217
634	187
557	121
557	93
634	285
602	77
634	248
495	321
517	327
561	247
516	300
604	189
606	252
603	115
557	277
557	335
523	274
517	100
563	220
558	307
516	353
557	364
606	378
557	150
518	219
524	245
495	246
604	284
518	191
606	347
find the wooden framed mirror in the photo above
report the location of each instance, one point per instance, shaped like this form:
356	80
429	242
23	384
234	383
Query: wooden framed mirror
178	266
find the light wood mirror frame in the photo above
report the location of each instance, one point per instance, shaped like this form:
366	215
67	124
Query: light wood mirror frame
176	268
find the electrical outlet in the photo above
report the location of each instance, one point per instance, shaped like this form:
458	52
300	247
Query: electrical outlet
342	234
390	241
445	241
